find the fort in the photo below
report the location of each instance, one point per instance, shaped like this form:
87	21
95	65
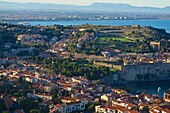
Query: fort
146	72
139	71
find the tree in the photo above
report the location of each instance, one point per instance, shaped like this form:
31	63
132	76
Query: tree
91	107
35	111
71	48
55	99
2	105
28	104
37	60
5	112
20	79
145	109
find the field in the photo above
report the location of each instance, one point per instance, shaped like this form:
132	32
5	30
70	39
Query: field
115	38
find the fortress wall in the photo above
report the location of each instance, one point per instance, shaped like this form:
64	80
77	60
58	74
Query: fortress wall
146	71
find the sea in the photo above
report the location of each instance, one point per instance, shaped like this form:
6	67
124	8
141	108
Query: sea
148	87
164	24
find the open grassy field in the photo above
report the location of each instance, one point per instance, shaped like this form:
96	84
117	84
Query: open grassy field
115	38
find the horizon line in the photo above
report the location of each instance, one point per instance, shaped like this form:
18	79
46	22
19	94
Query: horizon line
83	5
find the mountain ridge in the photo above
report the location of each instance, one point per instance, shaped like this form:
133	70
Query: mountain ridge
96	7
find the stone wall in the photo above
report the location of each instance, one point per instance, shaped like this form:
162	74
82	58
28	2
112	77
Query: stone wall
146	72
111	65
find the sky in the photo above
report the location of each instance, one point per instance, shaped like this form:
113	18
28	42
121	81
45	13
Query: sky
153	3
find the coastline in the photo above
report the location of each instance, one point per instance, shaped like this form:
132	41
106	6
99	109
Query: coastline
162	24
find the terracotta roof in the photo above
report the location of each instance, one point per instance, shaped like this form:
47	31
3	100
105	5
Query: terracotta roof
152	111
133	111
58	106
143	104
69	99
115	107
74	103
162	109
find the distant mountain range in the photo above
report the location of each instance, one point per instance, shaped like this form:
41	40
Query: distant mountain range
95	7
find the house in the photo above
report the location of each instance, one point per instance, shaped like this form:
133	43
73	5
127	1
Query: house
54	40
142	106
107	98
49	87
148	97
60	108
45	96
158	109
46	103
15	99
135	25
69	100
110	109
120	91
32	95
75	106
69	107
42	96
155	45
31	79
126	105
82	29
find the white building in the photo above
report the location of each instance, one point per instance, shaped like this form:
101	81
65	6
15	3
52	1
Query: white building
69	107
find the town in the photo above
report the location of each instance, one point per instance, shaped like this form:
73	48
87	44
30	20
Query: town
71	69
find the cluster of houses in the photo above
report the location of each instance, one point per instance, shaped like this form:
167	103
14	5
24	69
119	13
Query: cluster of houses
82	92
135	104
85	38
36	39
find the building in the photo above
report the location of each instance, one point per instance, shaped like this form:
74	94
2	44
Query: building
31	79
146	71
158	46
155	46
42	96
69	107
120	91
158	109
126	105
50	87
135	25
110	109
69	100
107	98
167	96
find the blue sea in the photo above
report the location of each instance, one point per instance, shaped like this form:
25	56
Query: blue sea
164	24
149	87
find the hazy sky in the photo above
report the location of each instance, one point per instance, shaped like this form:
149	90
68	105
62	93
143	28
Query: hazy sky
155	3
